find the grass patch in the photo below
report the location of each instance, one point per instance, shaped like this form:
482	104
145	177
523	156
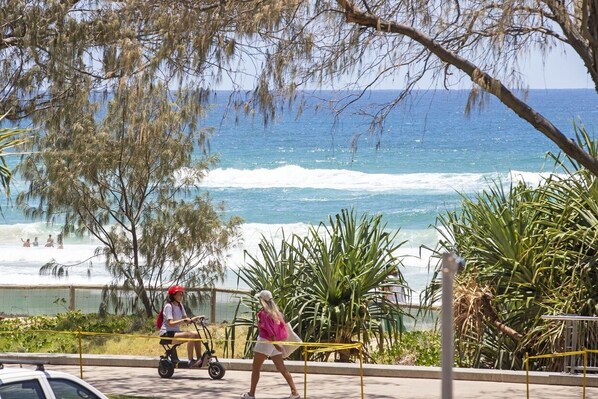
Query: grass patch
415	348
149	346
139	338
111	335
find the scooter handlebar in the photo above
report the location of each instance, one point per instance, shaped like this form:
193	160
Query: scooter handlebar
198	319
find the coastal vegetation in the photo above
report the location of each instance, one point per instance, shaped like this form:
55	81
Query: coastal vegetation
9	139
530	251
135	336
331	284
116	91
268	51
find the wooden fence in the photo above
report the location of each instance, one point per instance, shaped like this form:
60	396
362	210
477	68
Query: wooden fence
35	300
220	305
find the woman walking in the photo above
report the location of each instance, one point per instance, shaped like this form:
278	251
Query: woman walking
272	327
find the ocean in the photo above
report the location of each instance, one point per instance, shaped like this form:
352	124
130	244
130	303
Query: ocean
299	170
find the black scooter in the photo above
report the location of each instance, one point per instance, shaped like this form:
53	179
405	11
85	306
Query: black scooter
170	359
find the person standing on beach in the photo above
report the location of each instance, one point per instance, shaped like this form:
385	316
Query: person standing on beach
60	241
272	327
50	241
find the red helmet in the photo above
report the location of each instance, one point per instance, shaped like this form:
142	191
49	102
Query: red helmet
176	288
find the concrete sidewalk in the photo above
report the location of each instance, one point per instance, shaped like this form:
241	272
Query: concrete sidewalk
138	376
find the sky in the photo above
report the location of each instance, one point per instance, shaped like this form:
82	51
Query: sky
559	70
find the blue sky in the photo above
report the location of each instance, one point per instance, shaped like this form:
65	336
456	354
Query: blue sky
558	71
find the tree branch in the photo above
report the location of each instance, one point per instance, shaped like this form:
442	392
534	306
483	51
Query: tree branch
482	79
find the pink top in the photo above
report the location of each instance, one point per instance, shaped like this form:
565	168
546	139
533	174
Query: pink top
269	329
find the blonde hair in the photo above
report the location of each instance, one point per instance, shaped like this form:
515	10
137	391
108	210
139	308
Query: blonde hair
272	310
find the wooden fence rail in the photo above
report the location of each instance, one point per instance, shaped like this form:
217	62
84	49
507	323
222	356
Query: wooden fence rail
35	300
221	303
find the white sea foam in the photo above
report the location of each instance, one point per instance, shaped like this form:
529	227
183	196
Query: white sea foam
416	259
293	176
529	178
19	265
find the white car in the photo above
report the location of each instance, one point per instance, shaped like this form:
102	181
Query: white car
29	383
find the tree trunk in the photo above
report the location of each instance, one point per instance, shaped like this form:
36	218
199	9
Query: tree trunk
491	315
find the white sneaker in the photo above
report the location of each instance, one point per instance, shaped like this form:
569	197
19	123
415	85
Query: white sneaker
295	396
247	396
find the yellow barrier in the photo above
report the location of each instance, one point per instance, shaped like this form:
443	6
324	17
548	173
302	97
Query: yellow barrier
583	353
308	347
327	347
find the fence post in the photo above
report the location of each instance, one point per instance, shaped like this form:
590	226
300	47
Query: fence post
213	305
71	298
526	361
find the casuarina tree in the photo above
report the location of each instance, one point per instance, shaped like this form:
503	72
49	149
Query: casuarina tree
126	174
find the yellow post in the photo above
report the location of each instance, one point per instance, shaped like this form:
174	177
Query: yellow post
585	362
526	361
80	354
361	367
304	371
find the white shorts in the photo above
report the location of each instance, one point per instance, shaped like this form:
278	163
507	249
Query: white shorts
265	347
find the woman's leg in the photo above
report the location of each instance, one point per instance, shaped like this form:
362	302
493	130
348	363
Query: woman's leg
279	363
197	346
190	344
258	361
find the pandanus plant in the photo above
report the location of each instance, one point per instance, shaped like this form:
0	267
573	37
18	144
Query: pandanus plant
531	251
331	283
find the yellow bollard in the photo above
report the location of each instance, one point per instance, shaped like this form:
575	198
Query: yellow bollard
304	371
80	354
361	367
585	362
526	361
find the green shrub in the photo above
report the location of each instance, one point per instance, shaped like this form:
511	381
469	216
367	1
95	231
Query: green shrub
30	334
414	348
331	283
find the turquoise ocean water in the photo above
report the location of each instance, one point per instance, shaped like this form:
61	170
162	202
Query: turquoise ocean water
299	170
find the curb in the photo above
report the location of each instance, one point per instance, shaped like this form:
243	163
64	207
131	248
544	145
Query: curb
294	366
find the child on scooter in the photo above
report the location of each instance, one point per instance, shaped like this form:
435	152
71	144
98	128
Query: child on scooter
175	315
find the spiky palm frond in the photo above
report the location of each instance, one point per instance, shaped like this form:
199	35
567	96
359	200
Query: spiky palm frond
330	283
533	249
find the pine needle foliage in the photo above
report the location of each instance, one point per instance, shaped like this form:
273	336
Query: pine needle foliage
125	175
10	138
54	51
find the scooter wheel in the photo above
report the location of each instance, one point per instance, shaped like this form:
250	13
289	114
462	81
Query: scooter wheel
216	370
165	369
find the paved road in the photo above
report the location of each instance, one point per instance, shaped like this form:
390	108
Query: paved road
145	382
